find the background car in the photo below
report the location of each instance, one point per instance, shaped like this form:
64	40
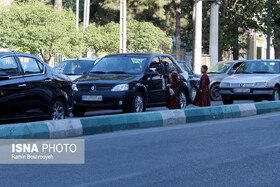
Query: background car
254	80
130	82
193	79
31	90
217	73
74	68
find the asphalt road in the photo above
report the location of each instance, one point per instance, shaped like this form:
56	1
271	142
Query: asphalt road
234	152
109	112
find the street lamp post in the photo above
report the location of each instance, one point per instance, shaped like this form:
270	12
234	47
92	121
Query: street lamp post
268	29
122	26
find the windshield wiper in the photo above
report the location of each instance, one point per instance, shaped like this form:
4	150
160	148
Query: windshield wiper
98	72
118	72
243	72
262	72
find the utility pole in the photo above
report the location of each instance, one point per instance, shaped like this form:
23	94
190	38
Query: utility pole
77	14
268	29
198	36
214	33
122	26
86	14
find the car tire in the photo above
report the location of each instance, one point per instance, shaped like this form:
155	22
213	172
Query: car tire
137	104
275	95
182	100
227	101
57	110
79	111
193	93
215	93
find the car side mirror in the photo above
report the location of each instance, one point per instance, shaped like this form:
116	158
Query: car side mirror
151	73
4	76
84	73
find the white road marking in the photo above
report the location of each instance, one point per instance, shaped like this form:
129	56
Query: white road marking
270	146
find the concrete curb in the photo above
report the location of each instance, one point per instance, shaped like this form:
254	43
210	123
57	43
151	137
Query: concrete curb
102	124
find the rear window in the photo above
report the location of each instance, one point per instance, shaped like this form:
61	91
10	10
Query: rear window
74	67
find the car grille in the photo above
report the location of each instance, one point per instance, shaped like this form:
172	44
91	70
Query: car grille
87	87
242	85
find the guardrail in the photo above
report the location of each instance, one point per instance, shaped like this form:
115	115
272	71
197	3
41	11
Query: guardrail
110	123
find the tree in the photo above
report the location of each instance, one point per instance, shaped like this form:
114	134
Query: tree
141	37
237	17
178	29
275	25
39	29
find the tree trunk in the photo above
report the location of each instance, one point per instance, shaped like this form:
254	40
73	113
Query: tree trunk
221	37
276	44
178	29
58	5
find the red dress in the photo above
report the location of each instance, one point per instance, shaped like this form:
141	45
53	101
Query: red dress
172	100
203	98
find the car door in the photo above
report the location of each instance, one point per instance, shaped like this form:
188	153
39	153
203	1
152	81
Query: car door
156	83
38	82
12	90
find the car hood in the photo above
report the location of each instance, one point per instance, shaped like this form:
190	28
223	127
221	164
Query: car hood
250	78
74	77
106	78
217	76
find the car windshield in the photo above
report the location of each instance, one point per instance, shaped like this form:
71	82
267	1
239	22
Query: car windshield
120	65
255	67
74	67
219	68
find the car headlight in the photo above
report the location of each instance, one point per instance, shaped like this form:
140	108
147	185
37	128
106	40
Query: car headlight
74	87
260	84
225	84
120	87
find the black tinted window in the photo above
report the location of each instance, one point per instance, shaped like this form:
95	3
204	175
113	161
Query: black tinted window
30	65
74	67
9	66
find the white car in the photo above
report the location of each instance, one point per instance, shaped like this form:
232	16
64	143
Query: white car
254	80
75	68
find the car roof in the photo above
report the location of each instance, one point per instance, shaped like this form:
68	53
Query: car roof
84	59
138	54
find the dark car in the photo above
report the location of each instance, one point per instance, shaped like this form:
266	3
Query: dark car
75	68
130	82
194	79
31	90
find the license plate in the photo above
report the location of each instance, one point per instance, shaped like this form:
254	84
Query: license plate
242	90
92	98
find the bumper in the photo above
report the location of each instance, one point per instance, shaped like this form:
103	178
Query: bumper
110	100
255	93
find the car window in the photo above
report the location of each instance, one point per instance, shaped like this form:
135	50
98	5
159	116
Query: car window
74	67
236	66
185	67
120	65
267	67
158	67
219	68
8	65
30	65
166	61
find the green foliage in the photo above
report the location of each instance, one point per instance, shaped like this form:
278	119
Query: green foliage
141	37
37	28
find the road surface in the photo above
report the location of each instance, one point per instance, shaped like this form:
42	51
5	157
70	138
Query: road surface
233	152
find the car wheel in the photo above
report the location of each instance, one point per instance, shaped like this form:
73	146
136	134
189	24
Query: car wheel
58	110
182	100
215	93
137	105
193	93
79	111
227	101
275	95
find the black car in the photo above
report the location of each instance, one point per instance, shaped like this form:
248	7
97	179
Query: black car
194	79
31	90
130	82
